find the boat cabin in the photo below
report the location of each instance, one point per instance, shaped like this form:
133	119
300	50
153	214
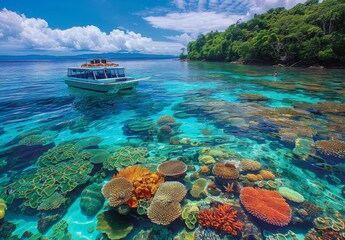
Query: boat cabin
97	73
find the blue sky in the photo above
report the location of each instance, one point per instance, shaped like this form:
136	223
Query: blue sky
146	26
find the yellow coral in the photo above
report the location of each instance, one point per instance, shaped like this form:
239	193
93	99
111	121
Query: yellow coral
267	175
3	208
207	160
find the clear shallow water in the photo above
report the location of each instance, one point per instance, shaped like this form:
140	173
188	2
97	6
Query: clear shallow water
244	109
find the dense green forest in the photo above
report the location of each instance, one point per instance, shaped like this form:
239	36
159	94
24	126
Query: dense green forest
310	33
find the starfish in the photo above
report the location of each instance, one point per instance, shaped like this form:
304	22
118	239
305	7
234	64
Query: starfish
229	188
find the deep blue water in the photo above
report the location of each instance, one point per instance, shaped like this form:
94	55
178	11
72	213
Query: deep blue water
243	108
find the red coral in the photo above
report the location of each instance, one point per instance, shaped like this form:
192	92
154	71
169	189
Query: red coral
266	205
222	217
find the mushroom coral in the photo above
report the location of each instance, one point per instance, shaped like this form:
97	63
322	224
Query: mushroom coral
266	205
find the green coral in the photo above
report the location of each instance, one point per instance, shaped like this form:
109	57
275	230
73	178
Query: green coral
190	215
126	156
57	154
62	177
115	226
60	231
143	204
52	202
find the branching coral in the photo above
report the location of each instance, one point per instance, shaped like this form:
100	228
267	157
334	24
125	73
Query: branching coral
266	205
222	217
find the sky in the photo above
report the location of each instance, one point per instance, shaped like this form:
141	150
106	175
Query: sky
101	26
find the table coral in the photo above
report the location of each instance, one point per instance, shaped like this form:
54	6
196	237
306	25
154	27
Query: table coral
117	191
266	205
222	217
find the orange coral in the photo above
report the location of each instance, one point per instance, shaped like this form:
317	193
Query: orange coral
132	172
266	205
267	175
133	202
205	169
222	217
225	172
145	183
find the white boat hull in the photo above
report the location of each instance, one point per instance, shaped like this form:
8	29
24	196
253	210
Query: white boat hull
103	87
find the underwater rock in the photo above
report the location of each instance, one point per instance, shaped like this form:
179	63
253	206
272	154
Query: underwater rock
6	229
92	141
91	199
46	221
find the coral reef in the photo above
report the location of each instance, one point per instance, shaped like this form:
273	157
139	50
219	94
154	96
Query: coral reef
266	205
172	168
190	215
164	212
250	165
291	195
118	191
113	225
165	206
126	156
57	154
223	218
52	202
331	147
3	208
166	120
199	188
145	183
225	172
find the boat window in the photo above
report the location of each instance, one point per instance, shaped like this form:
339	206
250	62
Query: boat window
91	75
103	60
97	61
99	74
110	73
121	72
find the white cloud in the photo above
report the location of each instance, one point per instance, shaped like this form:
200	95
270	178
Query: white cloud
184	38
194	22
19	33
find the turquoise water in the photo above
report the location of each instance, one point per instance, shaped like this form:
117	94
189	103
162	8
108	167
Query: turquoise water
274	121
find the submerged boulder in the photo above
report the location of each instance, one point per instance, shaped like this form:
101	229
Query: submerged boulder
91	200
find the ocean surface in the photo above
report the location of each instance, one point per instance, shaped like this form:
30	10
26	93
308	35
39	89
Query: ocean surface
56	141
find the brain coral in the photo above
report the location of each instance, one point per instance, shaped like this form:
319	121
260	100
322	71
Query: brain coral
331	147
291	194
165	206
225	172
250	165
164	212
172	168
266	205
171	190
118	191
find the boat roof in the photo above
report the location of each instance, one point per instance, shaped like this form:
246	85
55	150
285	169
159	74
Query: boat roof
95	67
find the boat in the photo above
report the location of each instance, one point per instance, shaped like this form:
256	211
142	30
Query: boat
101	75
